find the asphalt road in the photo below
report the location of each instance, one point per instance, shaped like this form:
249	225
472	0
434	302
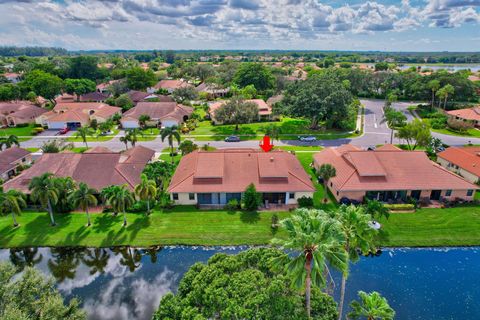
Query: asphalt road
376	132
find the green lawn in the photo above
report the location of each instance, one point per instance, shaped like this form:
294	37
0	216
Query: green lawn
433	227
474	133
149	134
184	225
289	128
94	138
18	131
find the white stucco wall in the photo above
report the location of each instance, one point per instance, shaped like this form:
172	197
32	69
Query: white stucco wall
130	124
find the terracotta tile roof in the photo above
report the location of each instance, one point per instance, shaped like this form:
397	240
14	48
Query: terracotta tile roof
211	88
81	111
232	170
137	96
360	170
467	158
474	78
105	85
263	107
9	156
94	96
468	113
159	111
21	109
171	84
99	168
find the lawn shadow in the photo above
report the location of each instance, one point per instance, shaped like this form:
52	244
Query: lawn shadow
39	229
250	217
115	238
76	237
139	223
7	233
104	222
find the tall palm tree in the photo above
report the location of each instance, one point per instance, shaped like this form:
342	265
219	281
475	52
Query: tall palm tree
44	190
65	186
146	190
120	200
433	85
84	197
132	135
12	202
9	141
143	120
83	133
359	238
372	306
170	133
125	139
326	172
319	240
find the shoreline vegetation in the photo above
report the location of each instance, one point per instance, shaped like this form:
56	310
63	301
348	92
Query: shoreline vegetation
453	227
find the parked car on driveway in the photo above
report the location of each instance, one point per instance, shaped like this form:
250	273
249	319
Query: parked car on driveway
63	131
232	139
307	138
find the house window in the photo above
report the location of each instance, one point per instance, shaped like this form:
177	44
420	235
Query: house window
448	193
338	193
191	196
331	184
24	159
175	196
291	195
469	193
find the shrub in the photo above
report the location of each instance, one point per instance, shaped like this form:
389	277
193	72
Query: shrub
139	206
251	199
22	125
305	202
400	207
459	125
275	221
232	205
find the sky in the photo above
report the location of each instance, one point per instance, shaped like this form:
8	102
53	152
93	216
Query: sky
384	25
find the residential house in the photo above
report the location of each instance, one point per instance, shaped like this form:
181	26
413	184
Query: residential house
103	87
212	91
165	114
169	85
77	114
95	96
137	96
11	159
12	77
464	161
390	174
19	112
98	167
264	110
471	115
215	177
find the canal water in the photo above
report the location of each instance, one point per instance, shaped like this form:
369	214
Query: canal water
127	283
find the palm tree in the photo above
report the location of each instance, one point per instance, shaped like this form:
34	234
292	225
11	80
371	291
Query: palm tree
326	172
132	135
394	119
143	120
433	85
376	209
120	200
371	306
83	133
84	197
319	240
359	238
146	190
9	141
125	139
170	133
12	202
44	190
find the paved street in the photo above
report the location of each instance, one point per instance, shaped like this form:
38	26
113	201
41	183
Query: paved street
375	132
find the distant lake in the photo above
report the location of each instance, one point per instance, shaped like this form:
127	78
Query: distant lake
449	67
127	283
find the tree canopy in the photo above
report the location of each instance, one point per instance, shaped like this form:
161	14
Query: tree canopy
237	111
243	286
255	74
139	79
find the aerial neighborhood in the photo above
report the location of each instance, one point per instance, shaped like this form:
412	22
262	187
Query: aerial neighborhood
289	150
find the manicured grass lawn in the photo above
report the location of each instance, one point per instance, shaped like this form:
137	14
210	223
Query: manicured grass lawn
299	148
165	156
184	225
474	133
109	137
32	149
289	128
149	134
17	131
433	227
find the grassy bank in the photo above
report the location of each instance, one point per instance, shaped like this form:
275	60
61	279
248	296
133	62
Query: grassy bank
181	226
187	226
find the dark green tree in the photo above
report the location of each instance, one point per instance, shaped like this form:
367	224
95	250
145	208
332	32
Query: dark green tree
139	79
251	199
255	74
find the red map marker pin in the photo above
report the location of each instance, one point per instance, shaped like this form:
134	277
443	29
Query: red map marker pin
265	144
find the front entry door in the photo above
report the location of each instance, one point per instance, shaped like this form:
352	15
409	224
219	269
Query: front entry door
435	194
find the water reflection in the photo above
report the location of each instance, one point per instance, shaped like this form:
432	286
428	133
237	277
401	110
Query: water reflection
128	283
